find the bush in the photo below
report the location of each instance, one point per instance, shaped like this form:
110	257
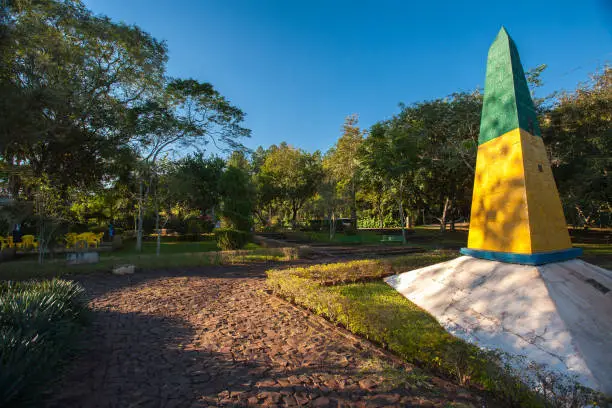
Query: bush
343	272
229	239
38	320
367	269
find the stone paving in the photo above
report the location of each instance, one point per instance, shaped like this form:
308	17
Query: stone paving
214	337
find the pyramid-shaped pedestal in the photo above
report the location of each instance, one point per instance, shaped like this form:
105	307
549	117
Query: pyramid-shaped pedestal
558	314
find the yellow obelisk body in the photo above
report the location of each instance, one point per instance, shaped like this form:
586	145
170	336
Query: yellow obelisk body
516	211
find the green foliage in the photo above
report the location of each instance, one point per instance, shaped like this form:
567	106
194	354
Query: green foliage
578	132
238	194
343	272
68	80
195	182
38	321
288	177
341	165
229	239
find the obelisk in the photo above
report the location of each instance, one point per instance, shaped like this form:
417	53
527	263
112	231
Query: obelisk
519	291
517	215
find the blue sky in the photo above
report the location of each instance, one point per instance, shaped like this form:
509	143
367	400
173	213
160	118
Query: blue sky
297	68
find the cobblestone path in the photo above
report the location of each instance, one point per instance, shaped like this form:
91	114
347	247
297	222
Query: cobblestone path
214	337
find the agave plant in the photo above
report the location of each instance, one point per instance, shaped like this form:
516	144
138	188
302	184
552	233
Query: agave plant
37	320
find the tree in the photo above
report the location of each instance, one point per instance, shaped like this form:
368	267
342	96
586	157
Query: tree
238	193
195	182
189	114
69	80
389	156
577	130
291	175
342	163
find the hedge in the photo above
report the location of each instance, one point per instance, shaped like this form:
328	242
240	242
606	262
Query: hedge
230	239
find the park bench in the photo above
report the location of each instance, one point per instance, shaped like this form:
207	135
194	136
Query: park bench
392	238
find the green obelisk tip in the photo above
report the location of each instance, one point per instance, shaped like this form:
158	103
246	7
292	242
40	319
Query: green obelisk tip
507	101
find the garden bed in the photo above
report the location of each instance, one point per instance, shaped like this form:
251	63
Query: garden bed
353	296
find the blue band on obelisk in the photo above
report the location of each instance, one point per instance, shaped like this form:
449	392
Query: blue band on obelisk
526	259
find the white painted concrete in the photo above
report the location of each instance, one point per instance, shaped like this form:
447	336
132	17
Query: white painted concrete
77	258
558	314
124	269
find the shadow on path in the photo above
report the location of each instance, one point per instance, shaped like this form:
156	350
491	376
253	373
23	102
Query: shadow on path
213	337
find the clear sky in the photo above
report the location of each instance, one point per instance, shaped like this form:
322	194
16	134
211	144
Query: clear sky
297	68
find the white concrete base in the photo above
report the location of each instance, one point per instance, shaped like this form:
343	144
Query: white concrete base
558	314
78	258
124	269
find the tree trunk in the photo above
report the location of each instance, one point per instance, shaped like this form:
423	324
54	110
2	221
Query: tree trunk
402	220
140	215
41	231
294	211
354	205
158	246
401	211
444	214
380	214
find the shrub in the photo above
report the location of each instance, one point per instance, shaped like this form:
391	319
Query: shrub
229	239
343	272
38	320
367	269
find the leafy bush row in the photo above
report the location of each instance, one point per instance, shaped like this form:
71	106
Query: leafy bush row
343	272
376	311
38	320
230	239
368	269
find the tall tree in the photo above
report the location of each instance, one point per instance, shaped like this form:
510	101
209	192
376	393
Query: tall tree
195	182
342	163
69	81
238	193
189	114
578	132
292	175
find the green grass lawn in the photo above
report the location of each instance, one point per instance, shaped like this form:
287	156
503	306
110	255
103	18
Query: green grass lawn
171	247
173	255
425	237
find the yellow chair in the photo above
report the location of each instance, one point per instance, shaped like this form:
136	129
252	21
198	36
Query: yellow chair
88	237
28	242
4	242
71	239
